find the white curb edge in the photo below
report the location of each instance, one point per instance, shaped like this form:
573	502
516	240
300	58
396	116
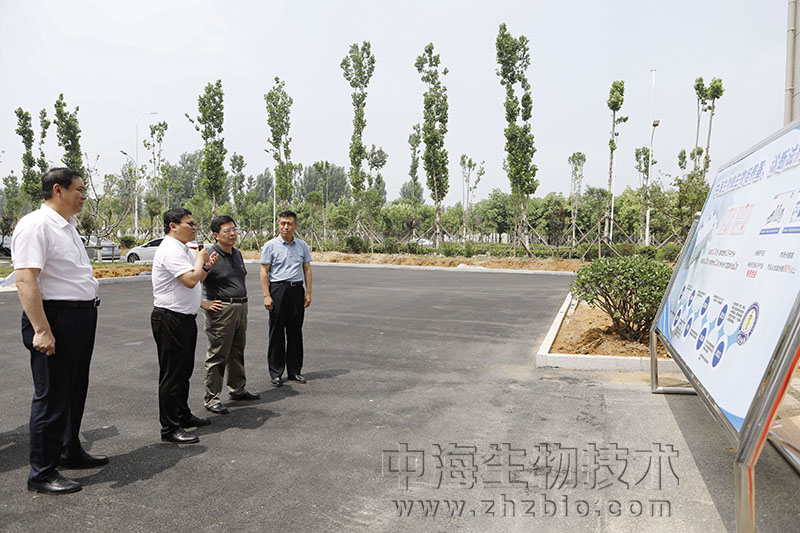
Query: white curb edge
546	359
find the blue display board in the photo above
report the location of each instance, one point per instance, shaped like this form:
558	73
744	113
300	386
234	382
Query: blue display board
733	292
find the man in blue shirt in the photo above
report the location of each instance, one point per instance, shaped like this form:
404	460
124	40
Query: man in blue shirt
285	264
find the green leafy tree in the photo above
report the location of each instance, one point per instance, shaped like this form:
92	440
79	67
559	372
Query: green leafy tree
413	187
495	214
357	68
434	129
643	163
160	180
713	93
12	205
209	122
31	182
263	185
44	125
468	166
701	95
514	59
279	108
326	177
238	183
616	97
68	132
576	162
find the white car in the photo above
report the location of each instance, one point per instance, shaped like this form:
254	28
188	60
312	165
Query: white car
147	251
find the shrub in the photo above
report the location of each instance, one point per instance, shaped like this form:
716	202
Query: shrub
413	247
628	289
669	252
355	245
469	249
450	249
648	251
127	241
391	245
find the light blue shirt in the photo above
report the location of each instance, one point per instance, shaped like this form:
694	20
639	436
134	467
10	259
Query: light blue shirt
285	259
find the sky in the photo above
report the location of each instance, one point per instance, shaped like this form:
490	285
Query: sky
119	60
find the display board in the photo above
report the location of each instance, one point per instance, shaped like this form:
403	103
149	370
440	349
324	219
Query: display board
733	292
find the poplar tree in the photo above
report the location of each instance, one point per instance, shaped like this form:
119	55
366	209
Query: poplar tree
31	182
209	122
159	179
514	59
238	185
468	166
434	129
279	108
616	97
713	93
576	162
357	68
68	132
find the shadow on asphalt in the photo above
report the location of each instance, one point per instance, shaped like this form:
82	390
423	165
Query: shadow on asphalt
140	464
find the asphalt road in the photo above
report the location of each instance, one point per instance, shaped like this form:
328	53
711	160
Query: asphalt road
436	363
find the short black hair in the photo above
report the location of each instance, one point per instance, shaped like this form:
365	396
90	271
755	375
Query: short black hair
220	220
62	175
175	215
288	214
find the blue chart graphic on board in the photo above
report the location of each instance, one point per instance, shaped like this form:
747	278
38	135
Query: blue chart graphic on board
713	337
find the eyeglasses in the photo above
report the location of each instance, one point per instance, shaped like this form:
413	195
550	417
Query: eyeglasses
228	230
190	223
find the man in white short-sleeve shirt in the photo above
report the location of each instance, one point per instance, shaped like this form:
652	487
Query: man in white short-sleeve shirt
177	295
58	293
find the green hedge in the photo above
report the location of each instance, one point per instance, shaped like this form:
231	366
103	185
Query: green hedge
628	289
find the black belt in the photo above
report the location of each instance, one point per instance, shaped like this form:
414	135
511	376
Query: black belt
72	303
171	312
289	283
230	300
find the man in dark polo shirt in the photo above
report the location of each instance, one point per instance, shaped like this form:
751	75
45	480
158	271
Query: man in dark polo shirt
226	318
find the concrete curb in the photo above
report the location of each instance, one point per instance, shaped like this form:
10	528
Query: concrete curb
591	362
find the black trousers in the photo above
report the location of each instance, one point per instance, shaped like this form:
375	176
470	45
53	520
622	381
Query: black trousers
176	337
60	383
286	329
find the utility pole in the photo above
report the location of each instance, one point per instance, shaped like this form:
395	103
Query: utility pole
791	111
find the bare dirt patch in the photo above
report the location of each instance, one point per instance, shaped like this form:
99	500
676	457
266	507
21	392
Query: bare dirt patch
121	271
588	331
564	265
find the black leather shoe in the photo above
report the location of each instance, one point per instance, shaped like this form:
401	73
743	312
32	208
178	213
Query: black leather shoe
218	408
193	421
84	460
276	382
58	485
245	396
180	436
298	378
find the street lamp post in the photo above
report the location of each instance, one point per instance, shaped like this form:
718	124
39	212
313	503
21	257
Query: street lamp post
136	176
649	162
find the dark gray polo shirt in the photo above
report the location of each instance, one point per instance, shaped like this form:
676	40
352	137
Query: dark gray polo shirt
226	278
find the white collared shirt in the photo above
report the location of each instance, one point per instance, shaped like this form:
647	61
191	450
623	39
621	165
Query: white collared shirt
45	240
172	260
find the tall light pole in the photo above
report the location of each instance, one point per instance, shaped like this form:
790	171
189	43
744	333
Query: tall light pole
649	162
136	177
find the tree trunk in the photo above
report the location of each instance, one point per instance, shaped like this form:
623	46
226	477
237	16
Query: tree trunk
610	174
706	157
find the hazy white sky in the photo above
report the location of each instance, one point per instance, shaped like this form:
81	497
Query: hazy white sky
117	60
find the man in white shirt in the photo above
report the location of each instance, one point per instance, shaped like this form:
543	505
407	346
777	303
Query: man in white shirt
177	296
58	293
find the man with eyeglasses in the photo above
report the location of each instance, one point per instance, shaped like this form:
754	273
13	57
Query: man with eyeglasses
177	274
58	293
225	305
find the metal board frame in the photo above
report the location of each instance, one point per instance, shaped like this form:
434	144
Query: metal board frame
755	430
